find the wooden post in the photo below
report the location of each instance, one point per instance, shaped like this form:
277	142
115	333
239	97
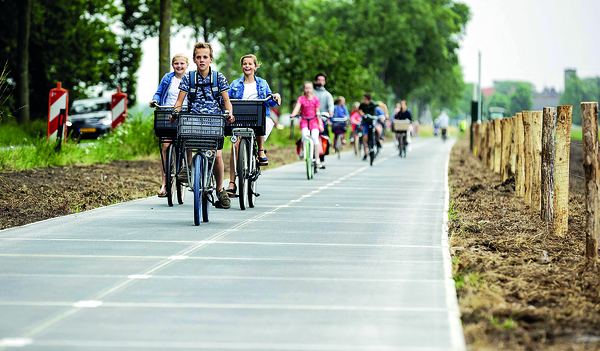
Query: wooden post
506	141
513	149
562	150
536	175
475	138
520	171
497	145
491	142
528	155
483	143
547	190
589	122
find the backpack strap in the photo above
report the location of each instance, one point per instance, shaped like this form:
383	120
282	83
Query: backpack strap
193	89
214	86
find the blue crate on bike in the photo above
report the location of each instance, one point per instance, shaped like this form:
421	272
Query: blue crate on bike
201	131
248	114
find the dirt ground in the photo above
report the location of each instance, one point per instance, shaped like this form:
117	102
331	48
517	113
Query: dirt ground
519	288
38	194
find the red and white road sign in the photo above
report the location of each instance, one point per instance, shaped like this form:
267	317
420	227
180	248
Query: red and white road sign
118	108
57	112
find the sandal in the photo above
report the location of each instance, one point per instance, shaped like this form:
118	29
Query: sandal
232	192
162	192
263	161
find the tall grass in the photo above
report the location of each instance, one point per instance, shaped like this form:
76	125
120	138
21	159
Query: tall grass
133	139
3	96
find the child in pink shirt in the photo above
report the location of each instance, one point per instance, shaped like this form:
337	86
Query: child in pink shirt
308	105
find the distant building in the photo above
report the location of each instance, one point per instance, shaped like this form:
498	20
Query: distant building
547	98
487	92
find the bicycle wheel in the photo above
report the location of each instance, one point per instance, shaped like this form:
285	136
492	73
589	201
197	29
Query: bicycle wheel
197	179
171	172
242	173
180	191
308	158
205	202
401	145
371	145
338	145
252	170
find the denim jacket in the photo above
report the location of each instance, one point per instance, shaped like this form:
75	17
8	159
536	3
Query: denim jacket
163	88
236	91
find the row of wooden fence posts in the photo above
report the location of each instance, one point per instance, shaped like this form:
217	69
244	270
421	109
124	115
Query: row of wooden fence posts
533	147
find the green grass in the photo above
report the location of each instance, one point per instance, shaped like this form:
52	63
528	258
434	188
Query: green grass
576	133
426	131
13	134
134	139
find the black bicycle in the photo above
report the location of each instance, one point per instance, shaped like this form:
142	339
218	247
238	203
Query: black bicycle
401	128
250	122
372	144
166	131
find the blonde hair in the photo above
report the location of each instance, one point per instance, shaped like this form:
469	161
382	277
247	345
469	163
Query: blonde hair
181	56
203	46
254	59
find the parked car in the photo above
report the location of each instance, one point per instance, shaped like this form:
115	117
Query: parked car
89	118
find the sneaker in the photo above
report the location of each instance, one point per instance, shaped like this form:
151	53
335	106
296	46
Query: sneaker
224	200
321	165
183	176
364	157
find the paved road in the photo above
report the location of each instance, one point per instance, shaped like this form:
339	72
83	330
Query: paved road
353	260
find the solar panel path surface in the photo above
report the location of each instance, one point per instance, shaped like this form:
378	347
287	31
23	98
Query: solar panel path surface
354	259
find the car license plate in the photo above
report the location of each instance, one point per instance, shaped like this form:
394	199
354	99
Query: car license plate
87	130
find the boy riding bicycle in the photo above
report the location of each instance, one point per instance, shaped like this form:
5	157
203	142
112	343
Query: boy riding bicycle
205	102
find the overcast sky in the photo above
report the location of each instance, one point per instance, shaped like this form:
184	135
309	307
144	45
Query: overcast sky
529	40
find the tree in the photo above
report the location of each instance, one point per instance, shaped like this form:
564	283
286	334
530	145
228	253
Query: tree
578	91
23	59
164	37
520	100
499	100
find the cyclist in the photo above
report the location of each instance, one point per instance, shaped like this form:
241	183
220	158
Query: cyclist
308	105
382	112
443	122
327	106
205	102
166	95
339	122
404	114
250	86
367	107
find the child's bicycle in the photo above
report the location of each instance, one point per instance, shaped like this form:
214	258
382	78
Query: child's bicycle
308	152
202	134
372	137
339	125
250	122
166	131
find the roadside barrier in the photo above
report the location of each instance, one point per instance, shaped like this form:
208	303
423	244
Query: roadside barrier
533	147
57	114
118	108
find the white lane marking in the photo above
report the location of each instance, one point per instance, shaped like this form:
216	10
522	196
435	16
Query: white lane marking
456	331
229	277
177	257
171	345
15	342
221	242
87	304
139	276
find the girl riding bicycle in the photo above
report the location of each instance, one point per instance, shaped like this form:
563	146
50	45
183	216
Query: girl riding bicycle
166	95
250	86
339	122
308	106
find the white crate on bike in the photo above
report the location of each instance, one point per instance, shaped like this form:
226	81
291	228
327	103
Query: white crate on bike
401	126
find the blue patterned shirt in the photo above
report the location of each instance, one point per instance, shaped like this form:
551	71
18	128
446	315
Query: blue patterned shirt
205	103
262	87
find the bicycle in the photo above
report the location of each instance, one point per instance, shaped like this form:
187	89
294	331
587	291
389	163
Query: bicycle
250	122
166	131
339	125
309	152
203	134
373	146
401	129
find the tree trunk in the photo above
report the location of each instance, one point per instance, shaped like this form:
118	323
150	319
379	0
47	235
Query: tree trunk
589	121
164	38
527	148
228	54
536	180
561	170
547	196
23	61
520	170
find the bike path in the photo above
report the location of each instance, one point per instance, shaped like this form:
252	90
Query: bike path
354	259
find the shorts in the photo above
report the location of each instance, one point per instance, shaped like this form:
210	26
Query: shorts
310	124
366	127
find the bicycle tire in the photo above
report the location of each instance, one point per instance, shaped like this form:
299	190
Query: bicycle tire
252	169
371	144
180	191
401	145
242	173
308	158
196	163
170	171
205	202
